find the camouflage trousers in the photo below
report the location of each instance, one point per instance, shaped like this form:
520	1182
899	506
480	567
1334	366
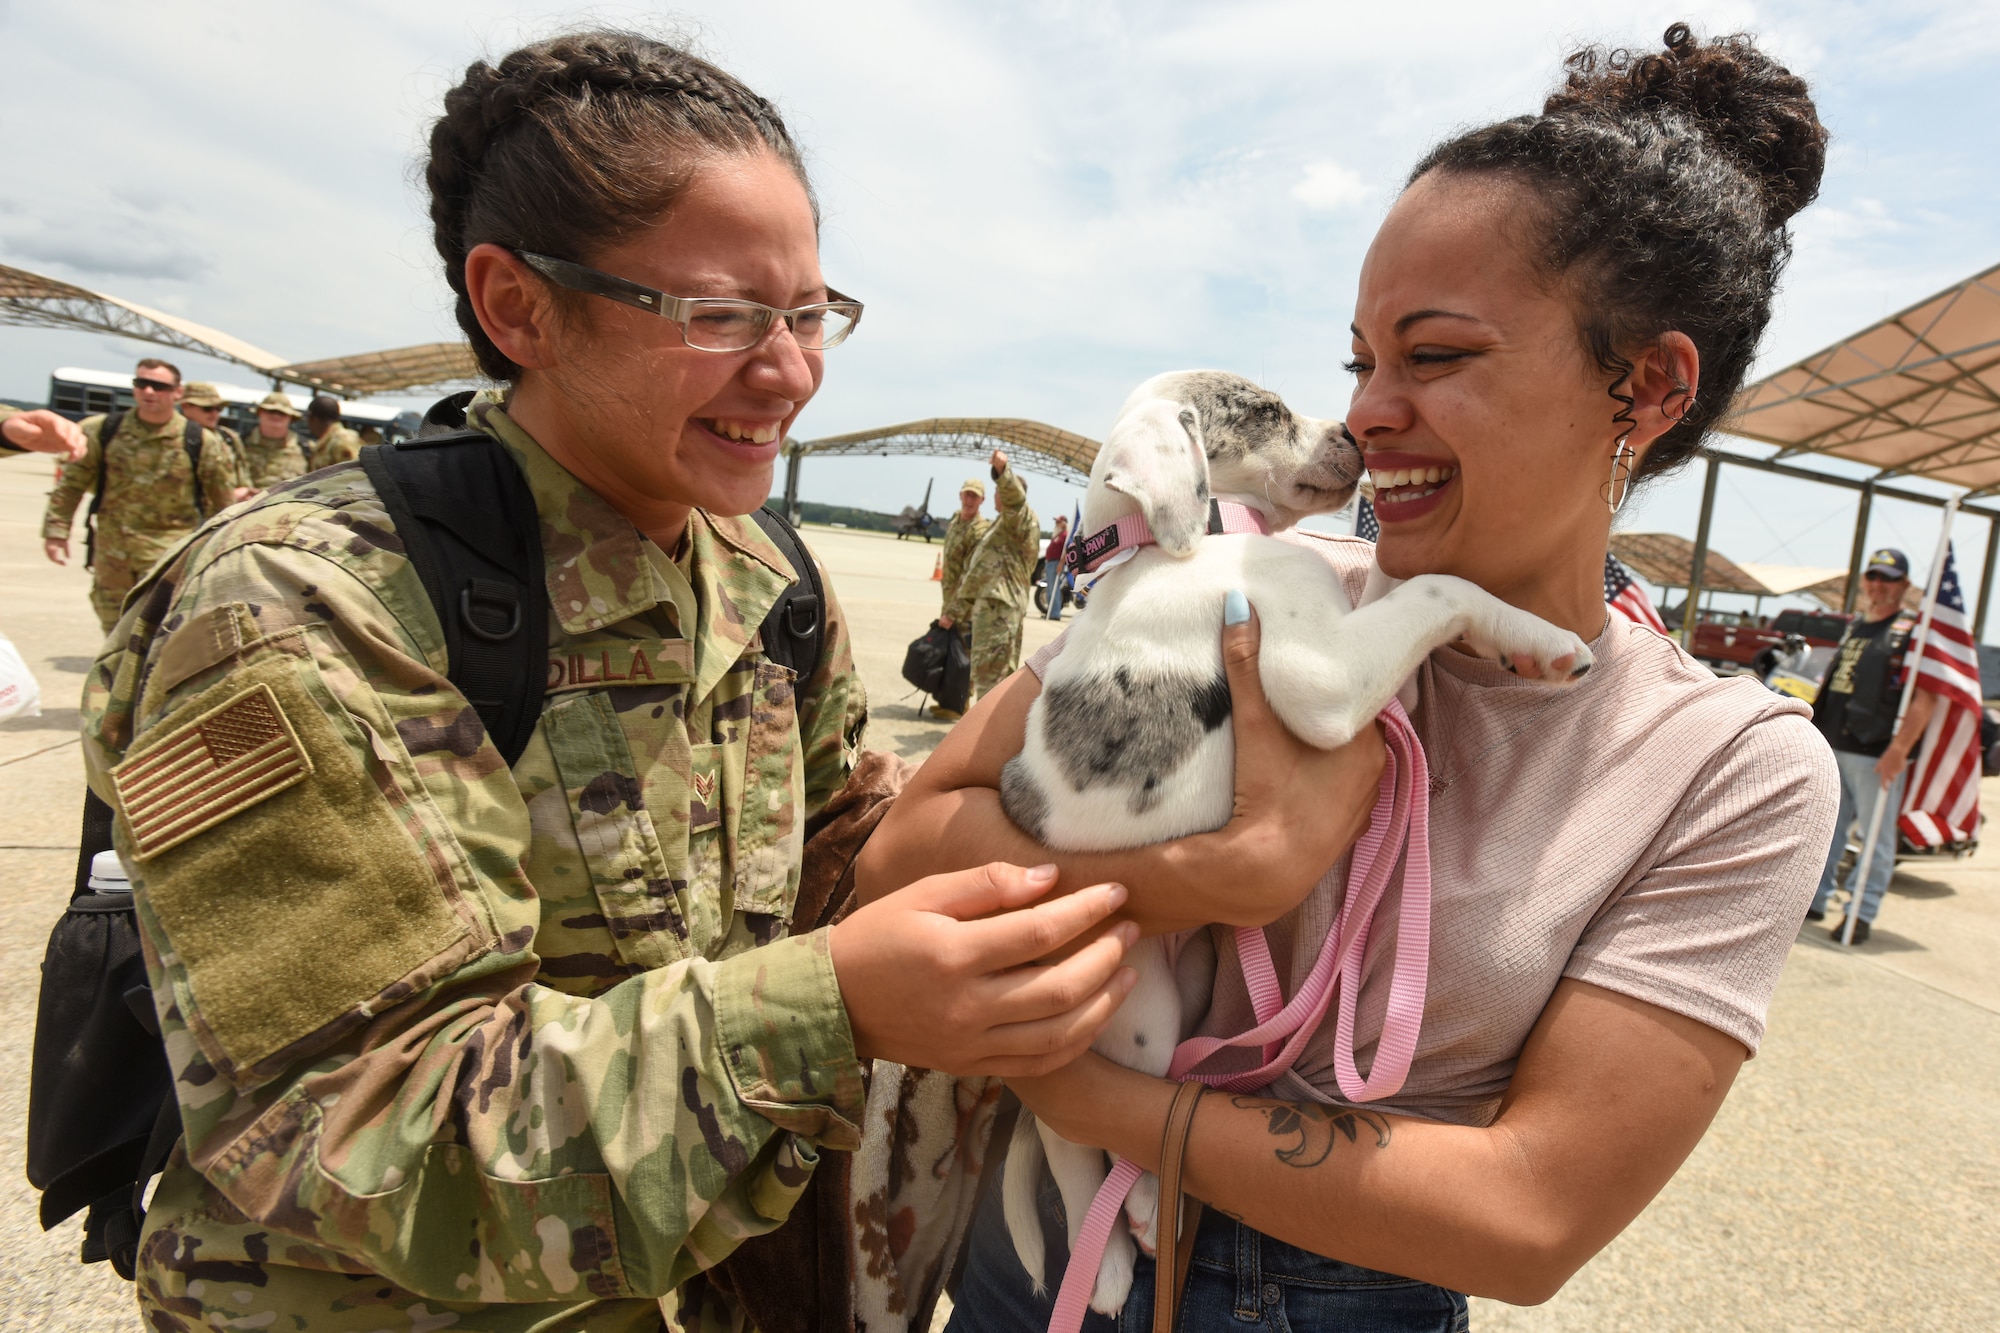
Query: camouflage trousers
996	643
114	573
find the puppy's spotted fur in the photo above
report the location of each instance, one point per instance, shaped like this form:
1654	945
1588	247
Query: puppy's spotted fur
1130	741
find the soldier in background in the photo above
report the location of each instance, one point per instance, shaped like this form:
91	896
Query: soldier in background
36	430
154	477
993	595
961	538
202	403
332	442
274	452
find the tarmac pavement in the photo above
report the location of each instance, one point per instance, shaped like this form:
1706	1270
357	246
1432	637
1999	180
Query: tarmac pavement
1852	1180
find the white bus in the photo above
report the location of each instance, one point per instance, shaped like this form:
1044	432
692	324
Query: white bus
77	392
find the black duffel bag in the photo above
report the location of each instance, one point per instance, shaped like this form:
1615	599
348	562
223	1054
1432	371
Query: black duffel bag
939	664
101	1112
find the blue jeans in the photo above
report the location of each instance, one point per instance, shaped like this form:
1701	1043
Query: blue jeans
1052	572
1240	1279
1858	789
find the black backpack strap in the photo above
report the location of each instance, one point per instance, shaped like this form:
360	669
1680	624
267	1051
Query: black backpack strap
107	429
191	441
305	448
795	629
468	524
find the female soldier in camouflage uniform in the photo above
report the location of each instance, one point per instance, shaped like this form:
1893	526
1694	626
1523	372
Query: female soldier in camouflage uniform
459	1046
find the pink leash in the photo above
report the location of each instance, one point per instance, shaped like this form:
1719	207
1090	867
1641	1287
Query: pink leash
1400	822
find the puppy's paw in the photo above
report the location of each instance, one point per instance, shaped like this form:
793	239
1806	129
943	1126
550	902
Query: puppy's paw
1142	1212
1529	646
1114	1275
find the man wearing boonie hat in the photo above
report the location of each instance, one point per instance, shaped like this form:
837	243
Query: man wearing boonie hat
961	538
274	452
1856	712
992	596
202	403
152	474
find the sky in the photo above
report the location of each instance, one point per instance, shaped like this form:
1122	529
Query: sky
1041	203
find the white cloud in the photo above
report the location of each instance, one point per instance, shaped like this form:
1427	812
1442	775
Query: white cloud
1328	187
1042	203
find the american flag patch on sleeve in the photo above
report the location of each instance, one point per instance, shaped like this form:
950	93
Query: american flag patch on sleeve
207	769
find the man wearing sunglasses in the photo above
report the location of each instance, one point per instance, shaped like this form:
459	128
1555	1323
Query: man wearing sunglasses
152	476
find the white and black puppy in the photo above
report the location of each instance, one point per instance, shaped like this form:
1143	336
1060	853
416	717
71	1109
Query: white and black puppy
1130	741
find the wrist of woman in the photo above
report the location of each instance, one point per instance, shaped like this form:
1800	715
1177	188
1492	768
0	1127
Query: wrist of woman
1094	1101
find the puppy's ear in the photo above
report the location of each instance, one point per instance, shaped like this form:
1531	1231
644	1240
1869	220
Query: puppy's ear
1155	455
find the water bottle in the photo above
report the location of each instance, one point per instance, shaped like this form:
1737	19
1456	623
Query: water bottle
108	874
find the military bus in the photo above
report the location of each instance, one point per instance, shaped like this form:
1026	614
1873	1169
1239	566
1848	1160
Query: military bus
77	392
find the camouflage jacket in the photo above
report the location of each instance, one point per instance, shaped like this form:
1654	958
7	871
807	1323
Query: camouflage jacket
534	1046
148	486
7	446
268	462
960	539
338	445
1003	562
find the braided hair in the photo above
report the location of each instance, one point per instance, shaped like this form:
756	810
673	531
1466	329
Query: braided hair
1662	184
568	145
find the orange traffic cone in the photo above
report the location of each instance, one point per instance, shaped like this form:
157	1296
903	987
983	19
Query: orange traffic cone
937	570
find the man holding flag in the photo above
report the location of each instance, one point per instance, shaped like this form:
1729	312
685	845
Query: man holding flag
1942	807
1856	712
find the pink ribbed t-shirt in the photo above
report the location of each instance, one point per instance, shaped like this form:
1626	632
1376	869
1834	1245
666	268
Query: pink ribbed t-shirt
1651	829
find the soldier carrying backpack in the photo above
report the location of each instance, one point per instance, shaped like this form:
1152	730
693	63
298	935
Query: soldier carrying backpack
491	1010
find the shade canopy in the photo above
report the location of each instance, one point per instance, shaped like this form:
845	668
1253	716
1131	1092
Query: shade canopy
1784	579
1917	394
36	301
1056	453
1667	559
400	369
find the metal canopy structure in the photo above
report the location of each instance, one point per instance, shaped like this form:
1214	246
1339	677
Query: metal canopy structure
1916	395
1667	559
425	366
1913	395
35	301
1046	449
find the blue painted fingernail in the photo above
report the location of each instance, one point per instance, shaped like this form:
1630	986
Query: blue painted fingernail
1235	607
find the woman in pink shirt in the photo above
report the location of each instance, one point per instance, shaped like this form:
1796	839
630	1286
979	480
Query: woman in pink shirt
1557	309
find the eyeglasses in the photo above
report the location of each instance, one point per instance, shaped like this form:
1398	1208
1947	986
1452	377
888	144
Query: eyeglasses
156	386
710	323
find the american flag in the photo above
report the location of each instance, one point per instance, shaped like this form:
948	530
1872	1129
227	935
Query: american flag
1624	595
1941	802
1365	525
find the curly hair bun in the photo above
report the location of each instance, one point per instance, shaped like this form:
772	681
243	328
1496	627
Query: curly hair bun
1751	108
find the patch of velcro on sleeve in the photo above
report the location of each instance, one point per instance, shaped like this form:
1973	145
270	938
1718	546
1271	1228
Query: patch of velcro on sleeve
208	769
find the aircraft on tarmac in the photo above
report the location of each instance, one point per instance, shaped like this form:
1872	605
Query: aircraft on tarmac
918	521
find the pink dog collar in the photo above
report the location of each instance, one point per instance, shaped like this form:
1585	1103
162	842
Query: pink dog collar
1131	532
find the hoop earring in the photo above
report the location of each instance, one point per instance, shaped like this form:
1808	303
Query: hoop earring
1621	470
1687	406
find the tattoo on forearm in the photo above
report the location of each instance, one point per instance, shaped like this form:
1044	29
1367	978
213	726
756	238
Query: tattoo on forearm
1308	1131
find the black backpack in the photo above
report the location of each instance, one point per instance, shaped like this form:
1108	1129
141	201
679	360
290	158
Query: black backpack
190	441
102	1117
938	663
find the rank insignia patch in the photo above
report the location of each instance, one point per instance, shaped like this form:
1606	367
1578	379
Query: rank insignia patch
208	769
